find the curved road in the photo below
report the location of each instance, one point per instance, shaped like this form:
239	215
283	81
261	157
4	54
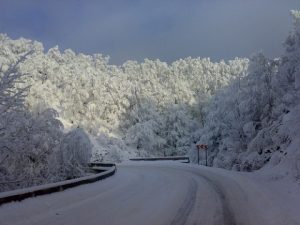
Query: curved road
152	194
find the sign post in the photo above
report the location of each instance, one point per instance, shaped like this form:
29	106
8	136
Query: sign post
204	148
198	155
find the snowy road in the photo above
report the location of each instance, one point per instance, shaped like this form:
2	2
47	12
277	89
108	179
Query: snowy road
155	193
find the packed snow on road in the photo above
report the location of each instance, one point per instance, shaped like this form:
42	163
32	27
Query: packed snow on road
163	193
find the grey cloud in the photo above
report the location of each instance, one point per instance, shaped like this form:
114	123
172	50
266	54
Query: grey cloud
168	30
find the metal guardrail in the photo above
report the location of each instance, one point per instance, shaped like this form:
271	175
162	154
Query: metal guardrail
102	164
163	158
21	194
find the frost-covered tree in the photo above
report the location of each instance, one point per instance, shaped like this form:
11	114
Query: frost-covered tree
75	153
31	143
178	125
11	95
150	108
244	122
132	102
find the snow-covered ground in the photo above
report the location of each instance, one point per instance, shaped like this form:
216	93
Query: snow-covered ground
164	193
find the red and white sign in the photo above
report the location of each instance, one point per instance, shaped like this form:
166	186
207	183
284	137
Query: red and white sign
202	147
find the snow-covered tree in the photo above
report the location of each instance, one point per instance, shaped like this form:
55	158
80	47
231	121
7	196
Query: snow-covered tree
244	122
132	100
75	153
31	143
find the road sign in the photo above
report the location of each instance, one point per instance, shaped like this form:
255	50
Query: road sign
203	147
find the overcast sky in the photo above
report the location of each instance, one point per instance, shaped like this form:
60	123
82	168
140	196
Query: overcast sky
164	29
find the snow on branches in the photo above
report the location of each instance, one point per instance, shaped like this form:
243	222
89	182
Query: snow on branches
149	108
246	125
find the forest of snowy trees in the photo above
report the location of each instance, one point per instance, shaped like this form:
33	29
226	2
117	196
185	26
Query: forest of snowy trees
256	118
59	109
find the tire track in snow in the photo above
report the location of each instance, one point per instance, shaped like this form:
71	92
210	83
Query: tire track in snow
187	206
190	201
228	216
